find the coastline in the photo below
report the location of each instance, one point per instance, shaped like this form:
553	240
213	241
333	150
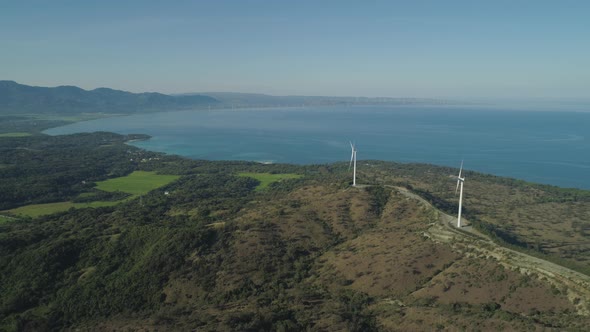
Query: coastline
304	136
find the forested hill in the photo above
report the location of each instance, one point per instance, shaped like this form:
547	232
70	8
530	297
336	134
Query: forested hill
18	98
98	235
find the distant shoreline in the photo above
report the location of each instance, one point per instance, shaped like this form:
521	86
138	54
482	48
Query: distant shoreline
534	146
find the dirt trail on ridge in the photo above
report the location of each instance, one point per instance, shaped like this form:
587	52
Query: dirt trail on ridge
473	243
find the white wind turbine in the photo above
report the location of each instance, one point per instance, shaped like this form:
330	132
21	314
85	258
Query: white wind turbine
353	159
460	181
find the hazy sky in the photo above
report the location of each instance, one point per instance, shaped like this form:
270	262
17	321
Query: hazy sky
370	48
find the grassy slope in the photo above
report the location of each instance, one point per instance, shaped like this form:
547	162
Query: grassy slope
136	183
267	178
36	210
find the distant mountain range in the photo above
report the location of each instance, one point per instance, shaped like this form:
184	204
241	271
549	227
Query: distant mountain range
18	98
235	99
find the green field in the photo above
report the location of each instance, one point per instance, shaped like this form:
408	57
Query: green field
19	134
136	183
267	178
36	210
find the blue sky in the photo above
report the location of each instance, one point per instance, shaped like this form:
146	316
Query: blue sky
469	49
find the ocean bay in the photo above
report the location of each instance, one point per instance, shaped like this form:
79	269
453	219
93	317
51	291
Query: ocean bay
540	146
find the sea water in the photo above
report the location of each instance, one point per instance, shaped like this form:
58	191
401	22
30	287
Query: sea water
551	147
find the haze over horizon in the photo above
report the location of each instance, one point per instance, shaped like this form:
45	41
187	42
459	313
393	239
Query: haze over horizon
426	49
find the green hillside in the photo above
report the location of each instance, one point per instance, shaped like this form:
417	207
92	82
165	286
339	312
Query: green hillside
309	252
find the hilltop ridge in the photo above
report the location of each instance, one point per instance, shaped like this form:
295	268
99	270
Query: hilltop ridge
18	98
237	99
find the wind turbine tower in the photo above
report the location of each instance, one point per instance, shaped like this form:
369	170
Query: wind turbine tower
353	161
460	181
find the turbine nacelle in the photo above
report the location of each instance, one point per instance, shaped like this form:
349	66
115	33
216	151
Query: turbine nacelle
459	178
352	155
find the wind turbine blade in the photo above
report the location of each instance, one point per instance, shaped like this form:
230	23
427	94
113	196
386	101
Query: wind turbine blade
457	186
461	169
351	156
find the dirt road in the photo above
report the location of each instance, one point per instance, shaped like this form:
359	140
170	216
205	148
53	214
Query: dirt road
471	242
